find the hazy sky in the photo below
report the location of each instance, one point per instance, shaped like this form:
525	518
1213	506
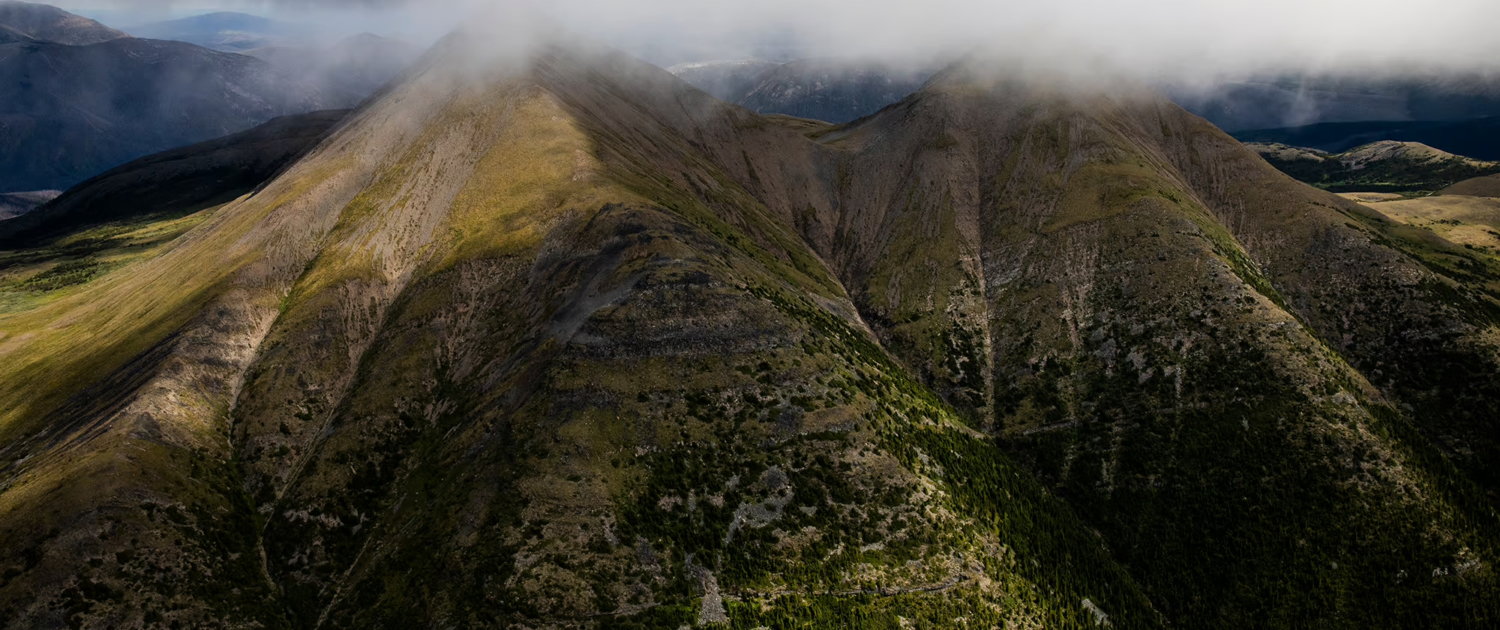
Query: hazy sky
1158	35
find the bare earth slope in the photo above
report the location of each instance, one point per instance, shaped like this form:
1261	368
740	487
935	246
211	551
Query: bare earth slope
567	343
504	351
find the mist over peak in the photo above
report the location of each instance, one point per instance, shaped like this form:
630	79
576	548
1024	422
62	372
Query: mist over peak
1156	37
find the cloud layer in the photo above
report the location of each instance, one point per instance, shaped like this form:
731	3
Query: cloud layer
1154	36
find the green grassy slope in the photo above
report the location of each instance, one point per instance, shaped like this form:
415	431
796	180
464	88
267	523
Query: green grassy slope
568	344
1387	166
1095	280
466	372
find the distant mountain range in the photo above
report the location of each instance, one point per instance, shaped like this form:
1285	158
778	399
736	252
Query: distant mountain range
13	205
831	90
840	90
725	80
225	31
1293	100
1476	138
177	181
69	112
73	111
1385	166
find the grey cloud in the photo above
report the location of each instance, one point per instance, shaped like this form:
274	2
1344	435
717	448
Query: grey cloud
1178	37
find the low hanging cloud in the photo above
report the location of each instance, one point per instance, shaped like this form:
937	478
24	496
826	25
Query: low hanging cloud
1174	37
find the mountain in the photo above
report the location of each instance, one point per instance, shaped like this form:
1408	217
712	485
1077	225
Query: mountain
23	21
177	181
833	90
13	205
727	80
1385	166
76	111
347	72
1478	138
224	31
1300	99
565	342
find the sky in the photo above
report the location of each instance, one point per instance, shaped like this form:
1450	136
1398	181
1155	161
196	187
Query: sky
1188	37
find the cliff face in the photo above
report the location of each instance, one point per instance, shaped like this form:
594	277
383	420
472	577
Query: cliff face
568	343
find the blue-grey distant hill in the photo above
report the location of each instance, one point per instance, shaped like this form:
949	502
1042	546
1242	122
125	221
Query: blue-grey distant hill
225	31
832	90
1478	138
70	112
1299	99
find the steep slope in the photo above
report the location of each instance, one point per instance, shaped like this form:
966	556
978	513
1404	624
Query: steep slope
509	349
1386	166
1143	310
568	343
725	80
181	181
76	111
225	31
45	23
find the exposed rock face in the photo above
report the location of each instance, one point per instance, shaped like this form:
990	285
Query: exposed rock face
568	343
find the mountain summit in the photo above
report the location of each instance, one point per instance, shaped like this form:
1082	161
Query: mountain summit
564	342
39	22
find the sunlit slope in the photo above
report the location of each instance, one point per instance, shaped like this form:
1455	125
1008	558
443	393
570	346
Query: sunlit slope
512	347
1158	323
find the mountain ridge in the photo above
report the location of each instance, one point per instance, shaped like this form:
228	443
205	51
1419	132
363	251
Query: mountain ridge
40	22
1384	166
225	31
570	343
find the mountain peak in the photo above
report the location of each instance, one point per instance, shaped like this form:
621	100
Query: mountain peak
50	24
542	336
